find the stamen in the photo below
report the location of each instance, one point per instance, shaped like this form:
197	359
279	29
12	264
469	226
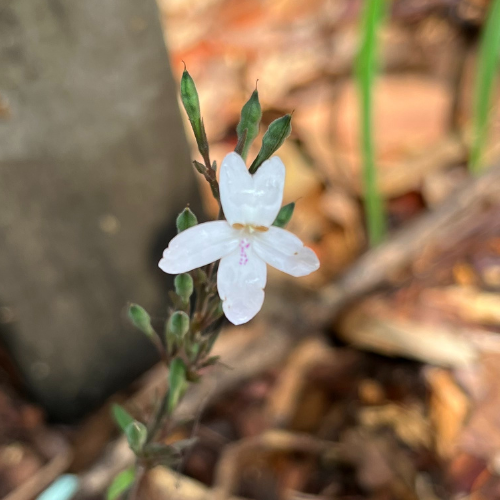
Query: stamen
262	229
237	225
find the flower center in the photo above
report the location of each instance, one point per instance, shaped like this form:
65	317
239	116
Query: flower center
250	227
244	246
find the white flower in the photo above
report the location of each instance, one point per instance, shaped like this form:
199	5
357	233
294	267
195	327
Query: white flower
245	241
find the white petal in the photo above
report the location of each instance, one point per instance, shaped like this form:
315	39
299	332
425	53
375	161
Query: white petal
284	251
269	182
248	199
240	281
198	246
236	189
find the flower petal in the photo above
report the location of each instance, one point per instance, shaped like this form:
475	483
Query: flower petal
284	251
236	188
248	199
198	246
269	182
240	281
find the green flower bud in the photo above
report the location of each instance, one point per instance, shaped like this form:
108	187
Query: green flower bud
177	384
185	220
184	286
141	319
178	324
274	137
251	114
137	435
284	215
191	101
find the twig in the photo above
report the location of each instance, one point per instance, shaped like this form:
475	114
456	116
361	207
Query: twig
373	269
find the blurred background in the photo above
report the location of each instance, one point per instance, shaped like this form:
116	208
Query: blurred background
376	377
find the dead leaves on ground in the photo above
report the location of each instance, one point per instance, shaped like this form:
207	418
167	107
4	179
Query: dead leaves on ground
427	428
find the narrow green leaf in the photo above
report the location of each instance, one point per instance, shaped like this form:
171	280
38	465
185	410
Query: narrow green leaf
366	69
200	167
177	383
185	220
274	137
284	215
248	127
122	417
489	52
121	483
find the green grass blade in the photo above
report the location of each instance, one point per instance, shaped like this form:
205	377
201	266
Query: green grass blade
489	51
366	71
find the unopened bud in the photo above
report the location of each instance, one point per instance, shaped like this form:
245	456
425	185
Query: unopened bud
178	324
141	319
183	286
274	137
137	435
251	114
190	100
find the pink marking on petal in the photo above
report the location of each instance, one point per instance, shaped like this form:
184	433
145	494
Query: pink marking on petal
243	255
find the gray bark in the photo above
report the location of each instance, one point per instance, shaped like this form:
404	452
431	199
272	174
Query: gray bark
94	167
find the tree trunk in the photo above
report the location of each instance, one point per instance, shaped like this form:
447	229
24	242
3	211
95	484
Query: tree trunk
94	167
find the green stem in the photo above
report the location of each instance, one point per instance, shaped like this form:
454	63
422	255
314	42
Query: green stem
133	492
489	51
366	71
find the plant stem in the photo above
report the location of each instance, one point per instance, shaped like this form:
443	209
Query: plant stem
366	70
489	51
134	490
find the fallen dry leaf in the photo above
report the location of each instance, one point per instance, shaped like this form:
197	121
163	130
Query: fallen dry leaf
467	302
408	422
372	325
449	407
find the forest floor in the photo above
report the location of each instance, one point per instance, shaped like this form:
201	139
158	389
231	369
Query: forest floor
377	377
